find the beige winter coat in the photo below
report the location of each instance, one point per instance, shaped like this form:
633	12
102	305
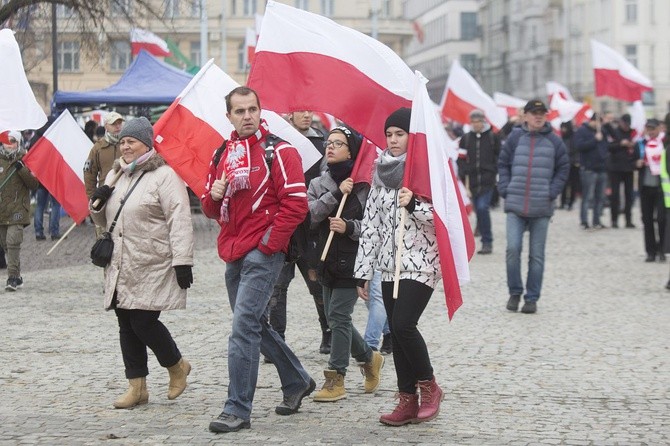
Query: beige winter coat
153	233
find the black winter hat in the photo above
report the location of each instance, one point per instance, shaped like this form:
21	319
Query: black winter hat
354	140
399	118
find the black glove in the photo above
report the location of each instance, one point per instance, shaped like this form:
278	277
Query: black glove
18	165
184	276
101	195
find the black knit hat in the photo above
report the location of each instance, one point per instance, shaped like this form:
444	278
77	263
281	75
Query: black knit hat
140	129
354	140
399	118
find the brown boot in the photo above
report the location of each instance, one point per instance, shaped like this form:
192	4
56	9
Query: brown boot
333	388
431	396
178	374
135	395
372	372
405	412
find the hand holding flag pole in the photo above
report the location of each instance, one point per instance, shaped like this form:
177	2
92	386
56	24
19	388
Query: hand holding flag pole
112	182
332	233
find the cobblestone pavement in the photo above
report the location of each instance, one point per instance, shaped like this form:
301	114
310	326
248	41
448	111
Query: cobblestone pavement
590	368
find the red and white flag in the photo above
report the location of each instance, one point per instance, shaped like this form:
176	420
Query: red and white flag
615	76
19	109
638	118
195	125
554	88
567	110
509	103
462	94
141	39
327	121
429	173
305	61
57	160
250	44
365	162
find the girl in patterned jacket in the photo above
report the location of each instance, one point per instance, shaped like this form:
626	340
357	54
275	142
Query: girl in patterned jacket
419	272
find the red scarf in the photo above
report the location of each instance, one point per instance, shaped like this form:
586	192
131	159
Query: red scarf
237	164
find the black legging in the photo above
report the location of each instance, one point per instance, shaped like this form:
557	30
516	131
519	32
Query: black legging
139	329
410	353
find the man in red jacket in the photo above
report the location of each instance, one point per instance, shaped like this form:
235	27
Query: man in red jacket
258	206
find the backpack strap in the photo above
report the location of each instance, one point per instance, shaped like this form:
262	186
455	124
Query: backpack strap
219	153
271	141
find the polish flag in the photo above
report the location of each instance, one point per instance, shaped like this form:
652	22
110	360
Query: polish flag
250	45
19	109
615	76
141	39
509	103
462	94
429	173
567	110
305	61
195	125
365	162
57	160
638	117
554	88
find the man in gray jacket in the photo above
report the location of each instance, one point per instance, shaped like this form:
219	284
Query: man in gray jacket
533	168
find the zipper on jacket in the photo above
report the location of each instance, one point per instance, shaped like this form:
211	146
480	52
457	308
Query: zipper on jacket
530	168
477	163
395	218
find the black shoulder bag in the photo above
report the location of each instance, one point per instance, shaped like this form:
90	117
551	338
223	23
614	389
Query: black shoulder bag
101	253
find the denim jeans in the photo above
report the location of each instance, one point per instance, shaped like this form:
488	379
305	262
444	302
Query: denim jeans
593	191
537	228
42	197
482	204
339	304
377	320
250	281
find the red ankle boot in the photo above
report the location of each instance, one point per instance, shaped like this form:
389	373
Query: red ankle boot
405	412
431	396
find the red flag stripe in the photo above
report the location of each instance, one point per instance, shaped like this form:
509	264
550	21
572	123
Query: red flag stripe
611	83
151	48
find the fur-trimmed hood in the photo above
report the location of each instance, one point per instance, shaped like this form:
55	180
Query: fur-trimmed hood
153	163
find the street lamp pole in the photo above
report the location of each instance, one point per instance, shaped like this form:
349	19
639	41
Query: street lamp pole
54	46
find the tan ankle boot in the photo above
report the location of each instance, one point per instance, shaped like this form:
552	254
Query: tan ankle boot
333	388
136	394
372	372
178	374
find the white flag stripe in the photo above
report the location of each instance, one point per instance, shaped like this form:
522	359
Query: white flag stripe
556	88
606	58
71	141
505	100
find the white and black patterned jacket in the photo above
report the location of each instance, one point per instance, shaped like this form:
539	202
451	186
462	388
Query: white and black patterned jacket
378	245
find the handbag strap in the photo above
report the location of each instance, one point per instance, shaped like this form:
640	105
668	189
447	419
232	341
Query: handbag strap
123	201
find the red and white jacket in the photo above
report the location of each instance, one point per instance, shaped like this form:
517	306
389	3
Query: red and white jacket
265	215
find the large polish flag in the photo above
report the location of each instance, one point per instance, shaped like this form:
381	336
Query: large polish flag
19	109
462	94
511	104
195	125
615	76
429	173
57	160
141	39
305	61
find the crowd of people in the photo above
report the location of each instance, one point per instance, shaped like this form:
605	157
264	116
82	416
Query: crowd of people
345	233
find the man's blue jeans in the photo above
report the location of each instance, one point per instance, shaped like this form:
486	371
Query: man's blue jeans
482	204
42	197
537	228
377	321
593	191
250	281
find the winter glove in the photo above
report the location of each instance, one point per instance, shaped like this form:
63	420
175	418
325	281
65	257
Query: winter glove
18	165
101	195
184	276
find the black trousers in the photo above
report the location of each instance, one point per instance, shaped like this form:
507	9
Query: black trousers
410	353
139	329
653	218
572	187
616	180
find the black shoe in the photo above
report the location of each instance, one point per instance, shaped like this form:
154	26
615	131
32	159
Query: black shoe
529	307
324	348
513	302
40	237
585	226
228	423
14	283
661	257
615	225
599	226
291	403
630	225
387	345
487	248
650	258
56	237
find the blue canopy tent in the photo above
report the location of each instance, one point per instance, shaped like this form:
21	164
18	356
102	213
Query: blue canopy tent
147	82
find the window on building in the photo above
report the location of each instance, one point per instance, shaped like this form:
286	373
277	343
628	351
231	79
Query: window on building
195	8
630	11
171	8
469	62
469	26
631	53
120	7
241	57
68	57
119	57
194	53
327	7
385	10
302	4
250	7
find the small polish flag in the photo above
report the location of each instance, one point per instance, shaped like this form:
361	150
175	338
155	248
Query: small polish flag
141	39
57	160
556	88
365	162
509	103
567	110
615	76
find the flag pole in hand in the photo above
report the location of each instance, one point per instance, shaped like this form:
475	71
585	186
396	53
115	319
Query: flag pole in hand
332	233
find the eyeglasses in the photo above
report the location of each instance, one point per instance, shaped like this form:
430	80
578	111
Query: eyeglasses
335	144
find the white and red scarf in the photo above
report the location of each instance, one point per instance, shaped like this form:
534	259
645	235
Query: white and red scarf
653	150
237	164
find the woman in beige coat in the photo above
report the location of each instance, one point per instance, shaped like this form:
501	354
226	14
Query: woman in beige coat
151	264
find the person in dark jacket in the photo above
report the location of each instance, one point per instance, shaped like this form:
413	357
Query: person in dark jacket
337	272
478	169
572	186
533	168
592	147
620	167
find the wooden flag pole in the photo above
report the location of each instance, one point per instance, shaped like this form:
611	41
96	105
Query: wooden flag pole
332	233
62	238
398	256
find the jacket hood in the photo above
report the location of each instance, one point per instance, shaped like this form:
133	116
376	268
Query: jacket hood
153	163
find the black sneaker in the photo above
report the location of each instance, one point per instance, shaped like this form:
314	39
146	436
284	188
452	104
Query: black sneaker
228	423
513	302
13	283
40	237
529	307
387	345
56	237
487	248
291	403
